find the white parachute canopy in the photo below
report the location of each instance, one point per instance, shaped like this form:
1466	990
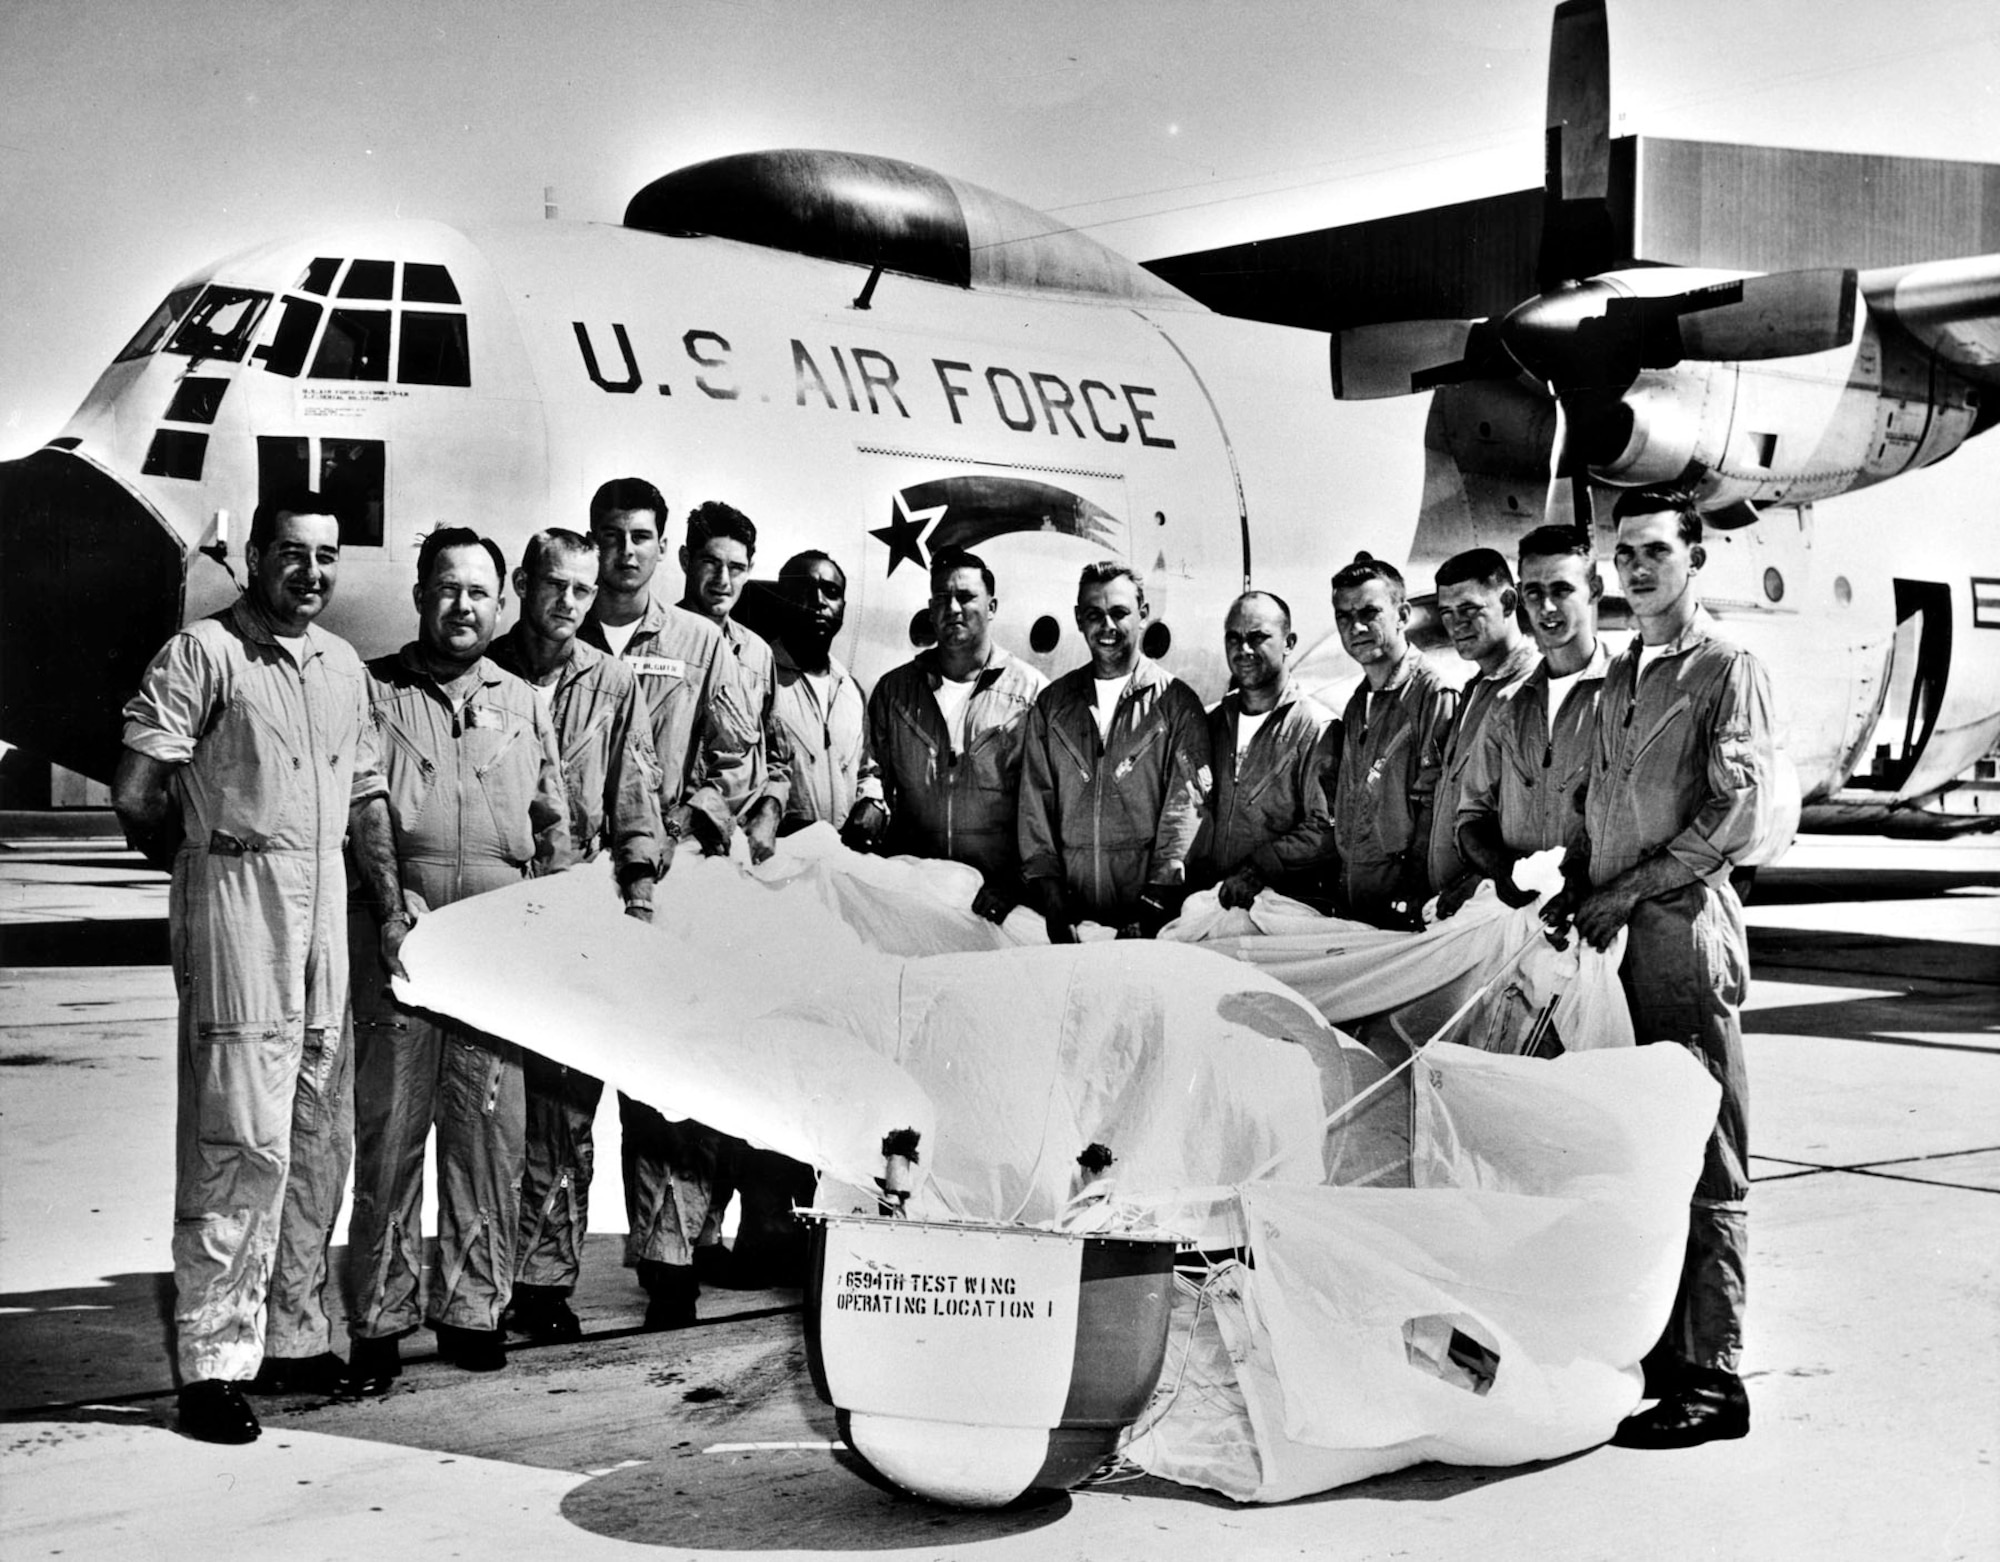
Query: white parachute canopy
1485	1297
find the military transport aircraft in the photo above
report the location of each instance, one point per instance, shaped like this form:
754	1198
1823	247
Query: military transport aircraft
882	361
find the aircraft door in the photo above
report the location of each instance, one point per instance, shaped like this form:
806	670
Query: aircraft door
1919	666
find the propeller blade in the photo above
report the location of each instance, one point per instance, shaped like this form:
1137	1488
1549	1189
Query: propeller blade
1558	504
1784	315
1579	237
1405	356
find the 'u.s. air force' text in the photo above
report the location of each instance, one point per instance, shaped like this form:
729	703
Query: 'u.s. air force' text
868	382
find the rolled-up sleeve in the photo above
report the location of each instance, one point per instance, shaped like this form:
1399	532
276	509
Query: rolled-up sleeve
1739	768
177	694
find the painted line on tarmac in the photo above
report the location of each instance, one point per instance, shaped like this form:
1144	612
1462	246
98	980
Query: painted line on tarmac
1873	1169
759	1448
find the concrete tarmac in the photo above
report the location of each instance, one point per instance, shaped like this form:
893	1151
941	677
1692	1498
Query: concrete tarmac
1874	1332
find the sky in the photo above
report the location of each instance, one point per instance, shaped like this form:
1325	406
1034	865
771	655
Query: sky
141	139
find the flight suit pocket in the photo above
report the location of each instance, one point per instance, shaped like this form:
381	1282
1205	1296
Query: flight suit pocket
411	773
319	1059
244	1074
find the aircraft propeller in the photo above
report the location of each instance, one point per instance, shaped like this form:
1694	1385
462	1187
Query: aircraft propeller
1585	338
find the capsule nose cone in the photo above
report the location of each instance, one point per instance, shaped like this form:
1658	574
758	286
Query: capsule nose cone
90	587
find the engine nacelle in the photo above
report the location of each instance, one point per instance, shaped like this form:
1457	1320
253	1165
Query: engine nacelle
1791	430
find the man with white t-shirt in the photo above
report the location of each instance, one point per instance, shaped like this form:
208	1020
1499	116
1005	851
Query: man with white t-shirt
1521	791
946	729
1277	750
1114	775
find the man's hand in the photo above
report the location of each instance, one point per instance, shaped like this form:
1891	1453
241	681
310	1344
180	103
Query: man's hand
639	910
760	830
866	822
1511	894
1457	893
1055	910
992	904
1604	912
1239	891
1159	904
396	927
714	834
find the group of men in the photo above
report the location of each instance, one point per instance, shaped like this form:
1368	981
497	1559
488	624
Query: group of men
608	722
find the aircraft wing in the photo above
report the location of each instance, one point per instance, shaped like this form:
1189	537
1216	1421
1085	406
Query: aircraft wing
1951	306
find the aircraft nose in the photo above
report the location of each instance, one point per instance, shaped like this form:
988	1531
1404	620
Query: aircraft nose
90	587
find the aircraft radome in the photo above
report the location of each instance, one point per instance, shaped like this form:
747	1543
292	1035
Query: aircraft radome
881	361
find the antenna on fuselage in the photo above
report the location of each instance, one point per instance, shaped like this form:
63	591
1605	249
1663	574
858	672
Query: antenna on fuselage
865	297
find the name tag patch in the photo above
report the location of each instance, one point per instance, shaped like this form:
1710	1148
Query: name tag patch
657	666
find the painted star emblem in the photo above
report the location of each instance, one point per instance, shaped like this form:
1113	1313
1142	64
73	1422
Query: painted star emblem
904	534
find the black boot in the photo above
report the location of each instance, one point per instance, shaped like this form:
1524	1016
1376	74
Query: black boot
372	1366
1708	1406
671	1290
472	1350
321	1374
543	1314
215	1411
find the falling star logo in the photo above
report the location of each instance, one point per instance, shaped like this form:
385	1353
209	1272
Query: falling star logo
963	512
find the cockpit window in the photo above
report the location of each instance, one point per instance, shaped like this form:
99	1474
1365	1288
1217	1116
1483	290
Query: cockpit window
370	279
159	323
220	324
424	283
319	275
355	346
290	343
433	350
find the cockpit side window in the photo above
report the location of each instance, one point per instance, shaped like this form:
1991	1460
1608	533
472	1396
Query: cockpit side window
290	343
433	350
159	323
220	325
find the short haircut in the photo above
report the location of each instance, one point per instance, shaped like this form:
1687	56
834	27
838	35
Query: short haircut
627	493
953	559
559	542
1476	567
286	501
1365	569
1556	542
716	519
800	565
1104	571
1284	608
1677	502
445	538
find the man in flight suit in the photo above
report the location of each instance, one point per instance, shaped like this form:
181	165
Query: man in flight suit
604	734
720	547
1113	774
1268	822
1523	784
470	799
238	772
822	709
1478	604
1680	791
1391	752
682	663
947	729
